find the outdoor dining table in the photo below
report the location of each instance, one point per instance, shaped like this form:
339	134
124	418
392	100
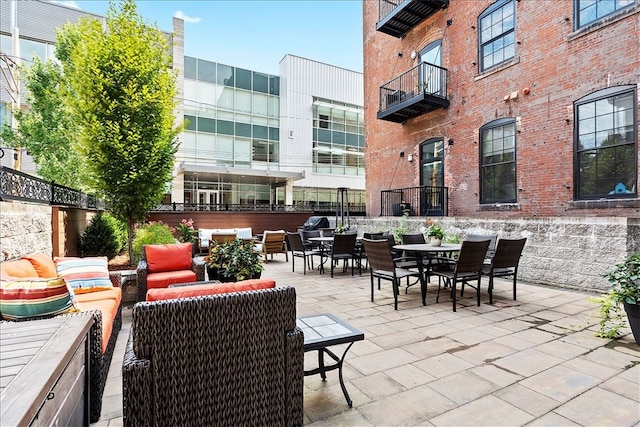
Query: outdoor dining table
324	244
417	248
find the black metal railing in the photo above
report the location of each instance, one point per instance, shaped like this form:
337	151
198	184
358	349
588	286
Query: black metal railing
328	209
415	201
422	80
398	17
385	7
16	185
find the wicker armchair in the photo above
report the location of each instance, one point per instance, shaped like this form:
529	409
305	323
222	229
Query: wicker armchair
227	359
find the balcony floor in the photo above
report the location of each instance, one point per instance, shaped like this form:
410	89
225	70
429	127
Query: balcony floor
534	361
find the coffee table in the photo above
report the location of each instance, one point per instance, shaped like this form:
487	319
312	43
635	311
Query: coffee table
325	330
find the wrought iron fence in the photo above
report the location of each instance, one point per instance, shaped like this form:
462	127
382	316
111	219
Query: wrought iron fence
415	201
16	185
421	79
326	210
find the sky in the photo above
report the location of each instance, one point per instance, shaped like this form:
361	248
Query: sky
257	34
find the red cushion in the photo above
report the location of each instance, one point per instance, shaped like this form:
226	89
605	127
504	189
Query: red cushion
19	268
209	289
43	264
166	278
169	257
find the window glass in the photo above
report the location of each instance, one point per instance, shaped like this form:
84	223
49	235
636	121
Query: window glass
260	104
225	75
243	101
606	144
274	85
225	97
225	127
190	68
261	132
206	125
498	162
242	150
206	92
243	129
589	11
224	145
30	49
497	34
206	71
260	82
243	79
274	106
190	122
274	134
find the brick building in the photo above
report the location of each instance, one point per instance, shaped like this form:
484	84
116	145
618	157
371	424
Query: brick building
520	108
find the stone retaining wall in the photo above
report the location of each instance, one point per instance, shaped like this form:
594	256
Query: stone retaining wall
24	229
566	252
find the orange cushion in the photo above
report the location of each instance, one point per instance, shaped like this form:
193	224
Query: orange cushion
169	257
108	306
43	264
18	268
209	289
166	278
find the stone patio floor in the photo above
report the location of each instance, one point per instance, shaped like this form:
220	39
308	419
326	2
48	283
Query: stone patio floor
535	361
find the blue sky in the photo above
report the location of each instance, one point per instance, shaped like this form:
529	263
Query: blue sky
257	34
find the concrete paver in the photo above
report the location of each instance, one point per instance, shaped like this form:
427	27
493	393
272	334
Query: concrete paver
535	361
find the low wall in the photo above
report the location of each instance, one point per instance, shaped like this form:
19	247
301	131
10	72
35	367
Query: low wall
565	252
24	229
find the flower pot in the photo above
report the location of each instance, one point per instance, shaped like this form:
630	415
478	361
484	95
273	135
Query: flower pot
633	315
227	279
436	242
212	273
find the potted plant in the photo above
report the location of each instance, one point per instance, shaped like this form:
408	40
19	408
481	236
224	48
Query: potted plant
234	261
624	279
435	232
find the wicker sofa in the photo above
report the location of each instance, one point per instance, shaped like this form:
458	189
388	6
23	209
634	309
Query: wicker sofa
227	359
105	308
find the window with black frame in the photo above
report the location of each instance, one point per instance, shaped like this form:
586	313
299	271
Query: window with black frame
498	161
496	34
606	143
588	11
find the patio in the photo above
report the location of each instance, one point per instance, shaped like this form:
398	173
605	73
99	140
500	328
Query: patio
534	361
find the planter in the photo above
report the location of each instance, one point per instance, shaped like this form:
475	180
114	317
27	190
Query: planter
212	273
436	242
229	279
633	315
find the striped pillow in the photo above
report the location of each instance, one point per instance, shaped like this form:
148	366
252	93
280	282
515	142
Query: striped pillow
26	298
85	274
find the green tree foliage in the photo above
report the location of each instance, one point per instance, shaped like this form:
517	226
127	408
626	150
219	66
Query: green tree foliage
100	238
122	91
46	129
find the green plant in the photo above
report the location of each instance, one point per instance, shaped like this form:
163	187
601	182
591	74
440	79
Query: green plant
152	233
402	227
341	228
185	231
120	230
434	230
237	258
624	280
100	238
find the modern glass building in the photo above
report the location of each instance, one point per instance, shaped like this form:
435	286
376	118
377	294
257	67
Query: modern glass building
250	137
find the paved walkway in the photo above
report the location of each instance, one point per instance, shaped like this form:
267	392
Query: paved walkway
534	361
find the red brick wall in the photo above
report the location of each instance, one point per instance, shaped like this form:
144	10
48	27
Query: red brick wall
558	66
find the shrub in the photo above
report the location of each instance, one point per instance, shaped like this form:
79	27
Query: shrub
153	233
120	230
100	238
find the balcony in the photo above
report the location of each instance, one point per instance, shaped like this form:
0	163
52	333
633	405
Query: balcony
415	201
398	17
421	89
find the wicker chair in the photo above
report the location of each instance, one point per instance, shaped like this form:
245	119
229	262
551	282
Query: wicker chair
228	359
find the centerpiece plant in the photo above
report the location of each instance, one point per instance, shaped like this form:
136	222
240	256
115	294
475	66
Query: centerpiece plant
234	261
434	231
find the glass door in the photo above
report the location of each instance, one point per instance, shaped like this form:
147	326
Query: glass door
430	71
208	199
432	177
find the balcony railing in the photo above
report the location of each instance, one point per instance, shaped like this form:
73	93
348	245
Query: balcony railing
329	209
16	185
415	201
421	89
398	17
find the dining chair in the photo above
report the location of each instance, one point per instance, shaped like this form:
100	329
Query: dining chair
493	238
385	267
467	268
505	262
299	250
343	248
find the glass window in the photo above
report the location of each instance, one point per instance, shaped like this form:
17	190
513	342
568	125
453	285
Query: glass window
225	75
260	132
496	27
190	67
29	49
606	163
206	71
243	129
498	162
190	122
243	101
260	82
225	127
260	104
243	79
206	125
274	134
274	85
588	11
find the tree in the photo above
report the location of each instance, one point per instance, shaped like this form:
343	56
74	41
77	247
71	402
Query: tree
45	130
121	94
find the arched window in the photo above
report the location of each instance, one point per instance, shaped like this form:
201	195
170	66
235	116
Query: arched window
498	161
605	144
496	34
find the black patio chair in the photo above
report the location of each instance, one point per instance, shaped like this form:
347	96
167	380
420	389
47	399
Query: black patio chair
467	268
344	248
504	263
493	239
385	266
299	250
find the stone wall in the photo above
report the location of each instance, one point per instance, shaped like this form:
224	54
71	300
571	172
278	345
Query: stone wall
24	229
566	252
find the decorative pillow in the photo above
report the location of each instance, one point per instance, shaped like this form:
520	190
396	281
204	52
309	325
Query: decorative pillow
18	268
43	264
21	299
85	274
169	257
